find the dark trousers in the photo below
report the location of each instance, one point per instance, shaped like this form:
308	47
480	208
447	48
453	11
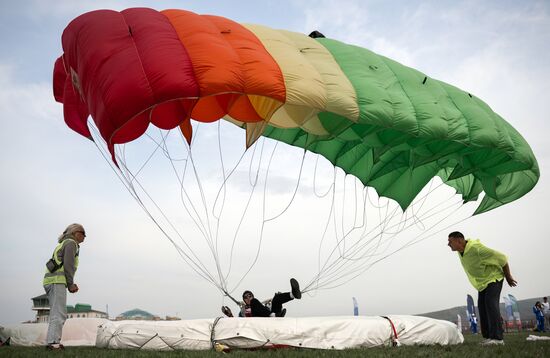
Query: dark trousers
257	309
489	311
278	300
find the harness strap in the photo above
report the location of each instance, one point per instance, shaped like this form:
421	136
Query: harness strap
394	338
213	333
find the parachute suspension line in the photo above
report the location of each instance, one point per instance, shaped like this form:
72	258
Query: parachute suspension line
123	155
427	215
363	267
241	220
382	224
195	135
422	201
264	201
196	267
222	187
250	180
295	187
197	220
340	259
223	279
414	241
163	146
367	242
365	222
342	221
222	164
411	208
231	297
315	281
203	199
419	201
359	271
220	153
260	240
335	223
254	182
341	243
180	251
207	233
171	159
321	270
219	215
332	212
436	232
400	225
315	179
332	188
355	204
346	233
220	197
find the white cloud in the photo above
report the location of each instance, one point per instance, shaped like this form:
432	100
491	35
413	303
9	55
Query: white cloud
25	102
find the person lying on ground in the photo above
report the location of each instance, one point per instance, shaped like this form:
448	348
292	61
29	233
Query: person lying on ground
252	307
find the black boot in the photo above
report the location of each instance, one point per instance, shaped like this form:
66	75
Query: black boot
295	288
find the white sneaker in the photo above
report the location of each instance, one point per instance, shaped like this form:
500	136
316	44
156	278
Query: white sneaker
493	342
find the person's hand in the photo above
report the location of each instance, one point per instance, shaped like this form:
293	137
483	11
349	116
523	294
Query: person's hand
73	288
511	281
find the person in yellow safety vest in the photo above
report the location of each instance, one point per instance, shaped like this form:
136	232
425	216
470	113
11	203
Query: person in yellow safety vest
486	269
59	278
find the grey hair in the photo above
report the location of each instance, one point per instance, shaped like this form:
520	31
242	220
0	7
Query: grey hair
69	231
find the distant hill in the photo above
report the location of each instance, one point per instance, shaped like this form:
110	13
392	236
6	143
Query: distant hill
525	310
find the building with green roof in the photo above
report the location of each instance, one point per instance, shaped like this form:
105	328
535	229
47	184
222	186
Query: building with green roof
138	315
41	305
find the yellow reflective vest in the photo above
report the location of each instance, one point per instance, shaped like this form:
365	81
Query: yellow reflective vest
58	276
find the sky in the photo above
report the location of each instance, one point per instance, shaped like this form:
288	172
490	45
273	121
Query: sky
51	176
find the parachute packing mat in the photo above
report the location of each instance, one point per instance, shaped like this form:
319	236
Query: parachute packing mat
76	332
391	126
246	333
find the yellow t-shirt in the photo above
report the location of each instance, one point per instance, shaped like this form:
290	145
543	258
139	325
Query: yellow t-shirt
482	264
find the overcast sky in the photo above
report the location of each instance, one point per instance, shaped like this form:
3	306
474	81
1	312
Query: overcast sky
497	50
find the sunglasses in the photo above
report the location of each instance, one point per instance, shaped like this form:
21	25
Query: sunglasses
82	232
248	296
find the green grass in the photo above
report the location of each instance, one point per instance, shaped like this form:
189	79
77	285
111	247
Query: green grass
516	346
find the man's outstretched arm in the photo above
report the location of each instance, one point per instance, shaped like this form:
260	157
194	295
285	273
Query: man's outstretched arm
508	276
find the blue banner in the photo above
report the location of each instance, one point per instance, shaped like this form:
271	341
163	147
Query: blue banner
508	309
471	312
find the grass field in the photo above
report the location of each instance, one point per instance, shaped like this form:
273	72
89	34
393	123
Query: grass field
516	346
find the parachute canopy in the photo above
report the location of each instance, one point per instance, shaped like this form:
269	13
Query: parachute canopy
389	125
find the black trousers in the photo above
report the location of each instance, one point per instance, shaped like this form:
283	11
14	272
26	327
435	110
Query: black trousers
278	300
259	310
489	311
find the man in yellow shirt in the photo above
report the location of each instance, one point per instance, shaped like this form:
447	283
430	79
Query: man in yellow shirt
486	269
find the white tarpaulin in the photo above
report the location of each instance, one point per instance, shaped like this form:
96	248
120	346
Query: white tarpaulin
76	332
312	332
